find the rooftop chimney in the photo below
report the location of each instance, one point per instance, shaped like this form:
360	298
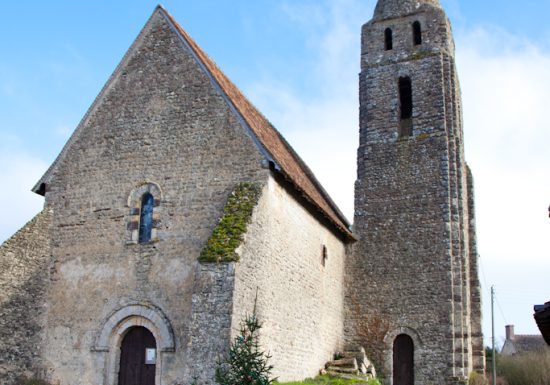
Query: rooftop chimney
510	335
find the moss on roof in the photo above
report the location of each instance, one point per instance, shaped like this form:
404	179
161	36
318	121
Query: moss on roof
229	232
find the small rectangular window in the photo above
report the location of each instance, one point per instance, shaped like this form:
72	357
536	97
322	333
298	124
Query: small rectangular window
405	98
405	106
417	33
388	36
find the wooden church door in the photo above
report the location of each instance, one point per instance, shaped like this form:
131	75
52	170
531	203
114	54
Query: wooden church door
137	358
403	360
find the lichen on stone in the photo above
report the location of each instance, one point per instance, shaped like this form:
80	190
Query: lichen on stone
228	233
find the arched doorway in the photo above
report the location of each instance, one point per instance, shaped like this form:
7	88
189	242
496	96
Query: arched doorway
403	360
137	357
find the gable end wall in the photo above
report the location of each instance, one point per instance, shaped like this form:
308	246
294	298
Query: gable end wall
161	122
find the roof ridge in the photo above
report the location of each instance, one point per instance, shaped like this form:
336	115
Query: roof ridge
528	335
279	149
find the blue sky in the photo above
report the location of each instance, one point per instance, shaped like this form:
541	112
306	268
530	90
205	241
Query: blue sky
298	62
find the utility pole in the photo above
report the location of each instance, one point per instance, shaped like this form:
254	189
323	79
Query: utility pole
494	360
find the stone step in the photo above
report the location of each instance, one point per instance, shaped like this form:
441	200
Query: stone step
350	362
338	369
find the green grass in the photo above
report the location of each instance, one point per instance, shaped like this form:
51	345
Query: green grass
329	380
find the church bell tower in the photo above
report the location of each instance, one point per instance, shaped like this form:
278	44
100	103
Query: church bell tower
414	297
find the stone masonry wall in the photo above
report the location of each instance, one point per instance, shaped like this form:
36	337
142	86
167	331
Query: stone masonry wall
160	124
411	269
300	296
24	272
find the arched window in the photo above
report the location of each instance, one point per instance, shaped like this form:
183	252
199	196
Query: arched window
403	360
405	106
417	33
146	218
388	34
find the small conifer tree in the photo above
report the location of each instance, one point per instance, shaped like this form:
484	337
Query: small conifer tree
246	363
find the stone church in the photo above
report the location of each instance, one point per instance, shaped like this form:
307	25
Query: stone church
175	205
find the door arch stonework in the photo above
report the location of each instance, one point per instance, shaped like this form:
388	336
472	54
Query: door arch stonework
116	326
418	344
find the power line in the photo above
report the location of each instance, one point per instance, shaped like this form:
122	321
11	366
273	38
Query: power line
483	274
500	309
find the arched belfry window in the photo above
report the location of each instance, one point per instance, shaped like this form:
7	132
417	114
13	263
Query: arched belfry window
388	38
145	213
405	106
403	360
417	33
146	218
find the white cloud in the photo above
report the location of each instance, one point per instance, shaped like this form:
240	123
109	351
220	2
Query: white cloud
19	172
505	81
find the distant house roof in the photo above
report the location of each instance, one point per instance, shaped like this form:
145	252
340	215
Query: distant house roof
284	158
521	343
542	317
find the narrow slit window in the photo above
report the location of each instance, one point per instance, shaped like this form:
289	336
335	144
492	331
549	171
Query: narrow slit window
405	107
146	218
405	98
388	34
417	33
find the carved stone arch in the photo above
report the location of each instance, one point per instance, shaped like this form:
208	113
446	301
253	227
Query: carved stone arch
389	340
116	326
137	315
142	188
392	334
135	202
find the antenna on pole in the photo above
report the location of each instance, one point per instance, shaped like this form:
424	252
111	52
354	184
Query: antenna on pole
494	360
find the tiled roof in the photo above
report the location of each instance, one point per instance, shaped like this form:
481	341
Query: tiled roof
529	343
288	162
523	343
